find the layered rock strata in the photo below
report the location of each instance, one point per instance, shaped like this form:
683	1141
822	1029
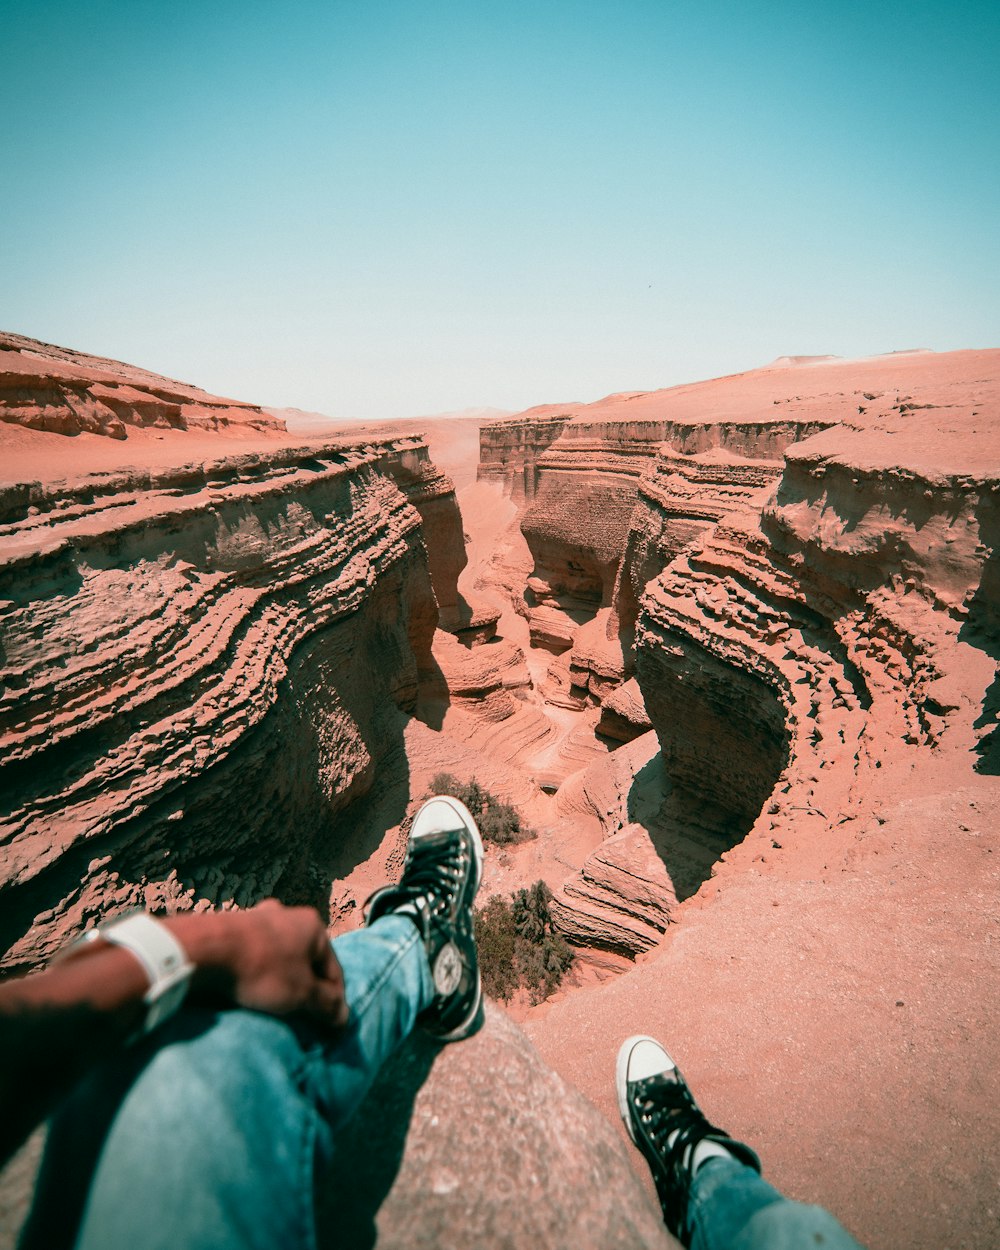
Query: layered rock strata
509	449
680	497
786	660
614	501
580	525
44	387
796	558
620	900
623	713
590	478
619	903
201	668
576	524
847	941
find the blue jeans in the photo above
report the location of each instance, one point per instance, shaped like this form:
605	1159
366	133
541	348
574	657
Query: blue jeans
209	1134
732	1207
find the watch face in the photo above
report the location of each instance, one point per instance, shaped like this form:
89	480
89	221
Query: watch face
447	969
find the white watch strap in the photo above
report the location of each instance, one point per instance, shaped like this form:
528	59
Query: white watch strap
161	955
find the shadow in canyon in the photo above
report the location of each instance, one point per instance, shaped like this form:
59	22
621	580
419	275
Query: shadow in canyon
981	629
356	832
723	745
303	798
688	835
988	748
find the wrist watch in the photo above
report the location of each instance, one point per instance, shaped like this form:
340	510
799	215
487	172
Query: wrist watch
163	958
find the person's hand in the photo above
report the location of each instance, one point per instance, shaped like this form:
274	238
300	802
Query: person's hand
269	958
57	1022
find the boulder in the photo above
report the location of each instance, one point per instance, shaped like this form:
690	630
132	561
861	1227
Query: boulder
481	1144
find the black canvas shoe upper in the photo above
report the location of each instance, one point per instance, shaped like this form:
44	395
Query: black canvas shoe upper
439	883
658	1106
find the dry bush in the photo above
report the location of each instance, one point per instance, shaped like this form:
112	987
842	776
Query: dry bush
498	822
518	946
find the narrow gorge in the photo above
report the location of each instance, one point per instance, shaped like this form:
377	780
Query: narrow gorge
730	648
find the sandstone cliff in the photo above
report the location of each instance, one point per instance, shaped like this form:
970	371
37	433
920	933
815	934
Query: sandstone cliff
201	668
43	387
803	859
732	649
797	549
509	449
797	649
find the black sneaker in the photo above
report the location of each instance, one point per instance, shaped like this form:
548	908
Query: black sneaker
666	1124
444	864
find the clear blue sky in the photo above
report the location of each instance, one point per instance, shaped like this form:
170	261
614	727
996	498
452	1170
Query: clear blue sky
387	207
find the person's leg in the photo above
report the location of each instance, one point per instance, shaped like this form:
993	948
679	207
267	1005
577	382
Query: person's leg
731	1205
710	1188
388	985
208	1134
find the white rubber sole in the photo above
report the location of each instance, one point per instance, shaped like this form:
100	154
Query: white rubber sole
438	815
621	1074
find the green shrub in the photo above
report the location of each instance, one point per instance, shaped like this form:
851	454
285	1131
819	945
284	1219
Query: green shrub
498	822
518	946
496	939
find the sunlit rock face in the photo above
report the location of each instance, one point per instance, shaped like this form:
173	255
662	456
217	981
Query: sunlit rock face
578	520
804	587
509	449
44	387
787	658
612	502
680	498
201	669
767	572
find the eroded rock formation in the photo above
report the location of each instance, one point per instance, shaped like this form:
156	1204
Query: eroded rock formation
772	554
43	387
834	656
509	449
731	648
201	669
800	649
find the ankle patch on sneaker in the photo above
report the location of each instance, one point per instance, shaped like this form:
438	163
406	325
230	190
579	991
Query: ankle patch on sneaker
447	970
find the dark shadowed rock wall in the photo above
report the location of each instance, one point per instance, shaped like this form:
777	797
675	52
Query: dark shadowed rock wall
200	670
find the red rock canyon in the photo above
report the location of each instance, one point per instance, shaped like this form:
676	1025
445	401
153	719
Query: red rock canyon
731	649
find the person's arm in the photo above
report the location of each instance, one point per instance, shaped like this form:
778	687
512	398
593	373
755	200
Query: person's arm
56	1023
